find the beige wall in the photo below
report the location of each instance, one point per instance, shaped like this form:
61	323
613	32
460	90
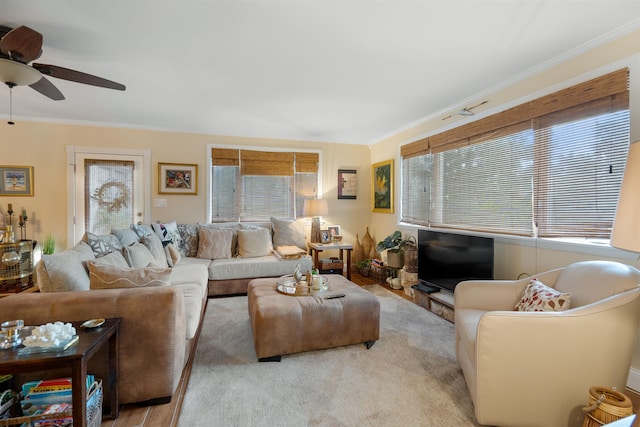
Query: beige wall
520	256
44	145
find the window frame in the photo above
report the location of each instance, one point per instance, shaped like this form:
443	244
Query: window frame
210	184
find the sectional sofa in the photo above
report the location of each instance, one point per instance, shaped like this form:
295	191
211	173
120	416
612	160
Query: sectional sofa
157	278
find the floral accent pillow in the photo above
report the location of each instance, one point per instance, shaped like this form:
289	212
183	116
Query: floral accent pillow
539	297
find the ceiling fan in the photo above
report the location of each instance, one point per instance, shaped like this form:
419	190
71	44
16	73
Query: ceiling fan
21	45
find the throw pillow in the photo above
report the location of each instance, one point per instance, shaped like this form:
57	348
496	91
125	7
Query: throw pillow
214	243
173	255
142	229
233	226
125	236
110	277
188	244
288	232
254	242
168	232
539	297
66	270
137	255
153	243
115	259
102	245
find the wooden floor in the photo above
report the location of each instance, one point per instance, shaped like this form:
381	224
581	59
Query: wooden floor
167	414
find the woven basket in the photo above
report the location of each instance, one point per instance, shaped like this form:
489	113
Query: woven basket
606	405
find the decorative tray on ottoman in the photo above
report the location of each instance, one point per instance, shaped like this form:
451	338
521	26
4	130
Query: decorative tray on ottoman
289	286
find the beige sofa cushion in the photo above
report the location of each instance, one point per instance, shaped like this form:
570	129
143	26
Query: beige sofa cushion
137	255
65	271
288	232
153	243
254	242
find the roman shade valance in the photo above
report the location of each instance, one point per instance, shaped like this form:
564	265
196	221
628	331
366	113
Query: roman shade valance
307	162
270	163
225	157
607	93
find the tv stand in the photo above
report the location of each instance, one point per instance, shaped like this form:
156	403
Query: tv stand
439	301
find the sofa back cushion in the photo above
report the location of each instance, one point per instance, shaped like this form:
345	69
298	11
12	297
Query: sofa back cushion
66	270
288	232
114	258
137	255
155	246
591	281
254	242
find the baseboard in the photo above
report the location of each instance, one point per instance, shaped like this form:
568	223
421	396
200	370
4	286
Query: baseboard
633	380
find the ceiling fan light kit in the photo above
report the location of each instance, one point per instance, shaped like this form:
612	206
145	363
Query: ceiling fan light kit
18	73
21	45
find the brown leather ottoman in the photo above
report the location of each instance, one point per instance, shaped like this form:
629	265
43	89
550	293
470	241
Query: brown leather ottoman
285	324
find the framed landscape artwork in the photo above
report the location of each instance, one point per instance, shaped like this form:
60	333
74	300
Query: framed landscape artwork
176	178
16	180
382	187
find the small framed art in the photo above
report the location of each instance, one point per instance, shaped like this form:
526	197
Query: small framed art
334	230
16	180
325	236
177	178
347	183
382	187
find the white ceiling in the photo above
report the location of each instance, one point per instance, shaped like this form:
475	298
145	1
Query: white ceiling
333	70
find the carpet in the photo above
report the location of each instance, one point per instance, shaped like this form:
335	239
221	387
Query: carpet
410	377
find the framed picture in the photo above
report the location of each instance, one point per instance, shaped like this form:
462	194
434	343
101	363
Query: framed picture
16	180
334	230
382	187
176	178
347	183
325	236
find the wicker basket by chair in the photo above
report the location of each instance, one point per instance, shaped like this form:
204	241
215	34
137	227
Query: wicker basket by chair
606	405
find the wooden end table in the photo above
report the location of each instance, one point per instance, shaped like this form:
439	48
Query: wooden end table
90	341
315	248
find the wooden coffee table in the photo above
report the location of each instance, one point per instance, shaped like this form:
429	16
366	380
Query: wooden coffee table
13	361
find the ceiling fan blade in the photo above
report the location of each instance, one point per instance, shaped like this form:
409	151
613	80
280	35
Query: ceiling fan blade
47	88
22	43
77	76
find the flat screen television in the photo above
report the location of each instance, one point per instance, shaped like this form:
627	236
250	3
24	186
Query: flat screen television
445	259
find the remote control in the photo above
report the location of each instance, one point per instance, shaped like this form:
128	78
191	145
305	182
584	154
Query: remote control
334	296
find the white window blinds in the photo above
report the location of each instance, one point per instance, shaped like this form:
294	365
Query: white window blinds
551	167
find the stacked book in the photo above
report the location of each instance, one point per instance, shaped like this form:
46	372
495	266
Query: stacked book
49	397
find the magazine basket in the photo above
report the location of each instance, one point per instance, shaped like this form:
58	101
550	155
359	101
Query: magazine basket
94	412
606	405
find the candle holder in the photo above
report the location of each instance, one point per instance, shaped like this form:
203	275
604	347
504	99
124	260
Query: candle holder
10	212
23	227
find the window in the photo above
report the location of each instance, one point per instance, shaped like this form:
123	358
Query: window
549	168
249	185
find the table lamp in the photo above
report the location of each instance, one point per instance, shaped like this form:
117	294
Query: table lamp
626	226
315	208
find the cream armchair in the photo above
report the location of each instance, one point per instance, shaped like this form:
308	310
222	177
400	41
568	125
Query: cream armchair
536	368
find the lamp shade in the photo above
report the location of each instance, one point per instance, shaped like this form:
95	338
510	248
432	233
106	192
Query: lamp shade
626	227
315	207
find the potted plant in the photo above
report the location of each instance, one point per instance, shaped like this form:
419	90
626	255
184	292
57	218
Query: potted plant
364	267
394	246
48	244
